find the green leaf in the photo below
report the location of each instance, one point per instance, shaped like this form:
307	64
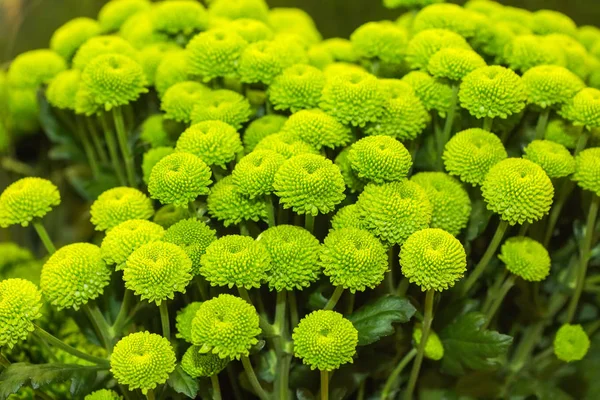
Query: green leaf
479	219
51	126
467	346
183	383
266	368
304	394
375	319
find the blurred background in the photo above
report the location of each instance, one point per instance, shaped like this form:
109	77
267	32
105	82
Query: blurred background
28	24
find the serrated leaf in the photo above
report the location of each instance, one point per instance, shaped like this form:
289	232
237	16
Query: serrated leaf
375	319
183	383
467	346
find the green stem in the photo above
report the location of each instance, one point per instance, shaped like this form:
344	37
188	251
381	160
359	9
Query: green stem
260	392
87	147
583	138
164	319
96	140
43	335
508	284
309	223
294	319
488	123
447	126
233	383
112	148
281	327
403	287
270	211
324	385
337	293
493	291
351	299
526	345
124	145
201	284
542	123
389	275
427	319
100	324
563	195
150	395
123	311
41	395
214	380
391	380
281	215
4	361
523	229
44	237
264	324
244	229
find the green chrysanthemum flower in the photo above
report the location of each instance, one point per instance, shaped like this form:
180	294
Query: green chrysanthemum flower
339	68
309	184
227	203
524	52
102	45
13	254
294	20
518	190
121	241
179	17
525	258
197	365
23	110
114	13
294	254
393	211
445	16
298	87
380	159
425	44
383	40
487	7
184	321
450	201
347	217
26	199
433	93
285	143
262	61
433	259
354	98
103	394
554	158
251	30
576	56
236	9
254	174
151	158
318	129
545	22
325	340
118	205
178	179
142	360
434	348
154	133
471	153
151	56
222	105
169	215
73	275
174	68
193	237
588	35
20	304
67	38
551	86
156	271
571	343
213	141
62	89
454	63
139	30
353	182
353	259
584	109
587	170
33	68
215	53
492	92
261	128
409	3
226	326
561	132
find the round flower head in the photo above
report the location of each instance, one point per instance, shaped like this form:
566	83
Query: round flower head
471	153
235	260
125	238
31	69
214	142
433	93
222	105
169	215
318	129
114	13
587	170
156	271
347	217
193	237
179	17
433	259
102	45
73	275
297	88
67	38
20	304
526	258
383	40
353	259
139	31
294	254
226	326
62	89
197	365
450	201
571	343
236	9
353	98
288	144
445	16
183	321
254	173
338	68
584	108
527	51
103	394
261	128
353	182
341	49
118	205
294	20
547	21
561	132
178	179
554	158
26	199
251	30
174	68
393	211
13	254
262	61
325	340
179	100
425	44
550	85
454	63
227	204
154	133
576	56
309	184
380	159
142	360
151	158
215	53
434	348
518	190
151	56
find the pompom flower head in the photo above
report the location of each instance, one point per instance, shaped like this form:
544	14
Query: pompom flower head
179	100
102	45
66	39
545	22
262	61
114	13
142	360
433	93
215	53
347	217
254	173
26	199
571	343
153	131
228	204
288	144
20	304
193	236
214	142
73	275
235	260
174	68
445	16
118	205
183	321
178	179
222	105
62	89
383	40
380	159
297	87
524	52
587	170
261	128
151	158
353	182
125	238
325	340
169	215
318	129
454	63
518	190
434	348
309	184
226	326
151	56
236	9
433	259
551	85
584	108
179	17
197	365
471	153
251	30
155	271
554	158
425	44
525	258
31	69
562	132
103	394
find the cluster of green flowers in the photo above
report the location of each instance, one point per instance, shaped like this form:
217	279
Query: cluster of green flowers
248	159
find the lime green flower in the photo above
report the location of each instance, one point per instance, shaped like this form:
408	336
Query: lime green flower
548	21
197	365
296	88
68	37
174	68
227	204
151	158
294	20
425	44
454	63
31	69
318	129
383	40
215	53
561	132
338	68
380	159
121	241
262	61
23	110
152	55
551	86
154	133
446	16
524	52
139	31
434	348
62	89
13	254
254	173
347	217
251	30
20	304
169	215
102	45
114	13
118	205
261	128
584	109
193	237
236	9
525	258
222	105
213	141
103	394
179	17
554	158
26	199
487	7
341	49
409	3
351	179
571	343
183	321
288	144
433	93
587	170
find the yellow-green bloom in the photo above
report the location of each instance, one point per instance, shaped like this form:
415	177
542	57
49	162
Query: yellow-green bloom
297	87
434	348
554	158
114	13
102	45
215	53
318	129
383	40
380	159
183	320
587	170
26	199
31	69
261	128
571	343
151	158
197	364
426	43
118	205
125	238
69	36
193	236
20	304
228	204
222	105
525	258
